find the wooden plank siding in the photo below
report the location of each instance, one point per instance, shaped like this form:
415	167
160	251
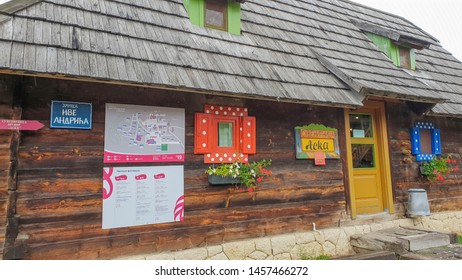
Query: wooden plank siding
60	178
443	196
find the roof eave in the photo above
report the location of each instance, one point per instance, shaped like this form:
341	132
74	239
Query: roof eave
352	105
9	8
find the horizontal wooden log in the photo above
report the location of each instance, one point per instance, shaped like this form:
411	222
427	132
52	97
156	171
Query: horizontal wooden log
3	212
91	227
49	193
6	111
151	242
445	204
63	137
70	157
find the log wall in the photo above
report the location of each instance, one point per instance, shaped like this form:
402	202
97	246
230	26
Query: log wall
443	196
6	112
60	178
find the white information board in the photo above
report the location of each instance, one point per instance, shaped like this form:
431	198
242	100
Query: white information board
134	196
135	133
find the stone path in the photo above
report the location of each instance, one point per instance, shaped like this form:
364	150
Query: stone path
408	243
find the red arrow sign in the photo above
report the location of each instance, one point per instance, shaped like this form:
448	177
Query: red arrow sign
20	125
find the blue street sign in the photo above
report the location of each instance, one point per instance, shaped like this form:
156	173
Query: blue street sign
72	115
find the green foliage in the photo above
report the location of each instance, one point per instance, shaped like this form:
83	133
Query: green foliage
459	239
249	174
315	126
322	257
437	167
305	257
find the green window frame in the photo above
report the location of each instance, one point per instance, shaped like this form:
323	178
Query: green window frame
394	51
196	12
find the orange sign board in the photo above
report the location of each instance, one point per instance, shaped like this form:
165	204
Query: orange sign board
315	139
317	134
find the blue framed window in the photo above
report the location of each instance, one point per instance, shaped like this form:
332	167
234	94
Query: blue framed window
426	141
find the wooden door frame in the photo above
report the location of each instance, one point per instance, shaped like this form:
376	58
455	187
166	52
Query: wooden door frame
382	150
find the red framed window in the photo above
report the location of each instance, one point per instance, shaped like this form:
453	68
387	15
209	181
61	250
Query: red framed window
224	134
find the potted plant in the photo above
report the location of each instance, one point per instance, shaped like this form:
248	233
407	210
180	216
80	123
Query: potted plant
437	168
244	175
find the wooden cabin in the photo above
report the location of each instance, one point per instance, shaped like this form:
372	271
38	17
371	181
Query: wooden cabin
372	77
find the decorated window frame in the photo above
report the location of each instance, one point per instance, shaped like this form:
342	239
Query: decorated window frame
232	14
425	141
207	134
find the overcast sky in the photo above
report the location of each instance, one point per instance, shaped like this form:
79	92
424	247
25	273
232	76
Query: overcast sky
440	18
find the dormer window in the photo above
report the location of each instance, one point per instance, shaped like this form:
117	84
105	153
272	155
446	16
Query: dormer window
405	58
216	12
224	15
397	46
401	56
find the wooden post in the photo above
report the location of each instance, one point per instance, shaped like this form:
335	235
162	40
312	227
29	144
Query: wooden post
13	248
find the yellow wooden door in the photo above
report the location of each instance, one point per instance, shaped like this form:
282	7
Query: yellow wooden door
365	162
369	174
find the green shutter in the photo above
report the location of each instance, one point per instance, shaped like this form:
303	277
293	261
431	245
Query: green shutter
381	42
412	57
394	54
196	12
234	17
391	50
186	5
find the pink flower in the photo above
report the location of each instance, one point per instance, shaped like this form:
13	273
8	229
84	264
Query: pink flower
259	179
440	178
250	189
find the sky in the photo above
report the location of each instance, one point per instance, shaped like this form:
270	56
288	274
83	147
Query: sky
440	18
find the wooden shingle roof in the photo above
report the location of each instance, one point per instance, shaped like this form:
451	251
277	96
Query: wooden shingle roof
436	67
306	51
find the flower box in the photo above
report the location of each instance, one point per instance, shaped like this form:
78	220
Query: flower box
220	180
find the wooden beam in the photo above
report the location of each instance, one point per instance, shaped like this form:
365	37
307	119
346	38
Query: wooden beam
12	250
398	38
364	26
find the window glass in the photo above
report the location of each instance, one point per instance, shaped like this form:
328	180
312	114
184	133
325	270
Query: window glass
363	155
225	134
361	126
404	58
426	141
215	14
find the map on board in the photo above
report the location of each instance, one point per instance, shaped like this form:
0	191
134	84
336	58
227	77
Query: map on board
143	134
